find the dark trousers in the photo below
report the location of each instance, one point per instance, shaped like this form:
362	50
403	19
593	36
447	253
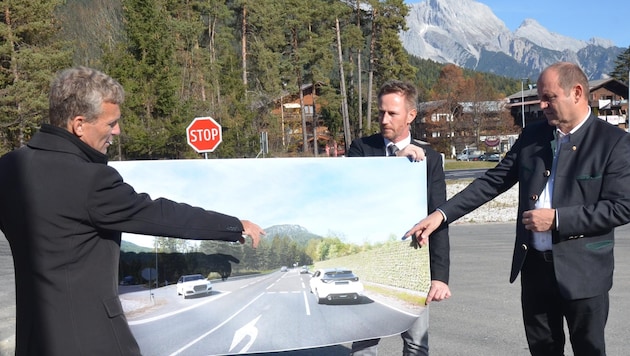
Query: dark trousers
544	312
415	340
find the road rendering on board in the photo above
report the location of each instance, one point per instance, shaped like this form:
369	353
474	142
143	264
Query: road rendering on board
263	313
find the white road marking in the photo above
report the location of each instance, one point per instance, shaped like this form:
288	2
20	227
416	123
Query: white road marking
215	328
248	330
308	309
166	315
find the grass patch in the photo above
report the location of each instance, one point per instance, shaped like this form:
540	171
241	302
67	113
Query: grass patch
450	165
406	297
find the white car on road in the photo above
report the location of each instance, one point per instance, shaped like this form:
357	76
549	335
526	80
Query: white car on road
193	284
335	284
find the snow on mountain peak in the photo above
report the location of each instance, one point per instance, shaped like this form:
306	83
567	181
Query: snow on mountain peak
436	24
467	33
539	35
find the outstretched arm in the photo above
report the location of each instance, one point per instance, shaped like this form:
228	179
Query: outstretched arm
252	230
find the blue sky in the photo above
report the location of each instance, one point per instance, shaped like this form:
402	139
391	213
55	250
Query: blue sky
578	19
344	197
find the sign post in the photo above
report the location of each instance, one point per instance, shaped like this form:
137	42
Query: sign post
204	134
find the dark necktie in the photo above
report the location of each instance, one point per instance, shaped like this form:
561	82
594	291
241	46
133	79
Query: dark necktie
392	149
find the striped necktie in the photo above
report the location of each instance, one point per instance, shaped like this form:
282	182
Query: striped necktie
392	149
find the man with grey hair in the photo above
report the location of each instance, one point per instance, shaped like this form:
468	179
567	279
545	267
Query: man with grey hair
63	209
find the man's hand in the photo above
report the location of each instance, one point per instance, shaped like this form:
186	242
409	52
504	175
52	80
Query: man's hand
252	230
438	292
425	227
413	152
539	220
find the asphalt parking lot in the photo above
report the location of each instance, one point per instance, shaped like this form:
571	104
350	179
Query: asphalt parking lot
481	318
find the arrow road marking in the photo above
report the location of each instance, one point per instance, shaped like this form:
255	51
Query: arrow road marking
248	330
215	328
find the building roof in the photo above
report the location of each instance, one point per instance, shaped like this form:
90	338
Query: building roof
427	106
525	93
616	86
485	106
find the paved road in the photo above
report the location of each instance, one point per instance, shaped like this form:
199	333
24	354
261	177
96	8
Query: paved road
259	314
483	316
464	173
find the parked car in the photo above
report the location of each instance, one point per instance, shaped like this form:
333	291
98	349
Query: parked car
493	157
469	154
335	284
193	284
127	280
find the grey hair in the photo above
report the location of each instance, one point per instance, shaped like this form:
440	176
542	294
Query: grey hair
81	91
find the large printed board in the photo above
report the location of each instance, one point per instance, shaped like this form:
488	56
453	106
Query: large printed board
347	213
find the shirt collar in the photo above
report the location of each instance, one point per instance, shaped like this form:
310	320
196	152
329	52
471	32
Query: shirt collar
400	144
577	127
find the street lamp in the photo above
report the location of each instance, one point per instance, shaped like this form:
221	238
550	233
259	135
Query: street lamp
523	102
284	85
282	118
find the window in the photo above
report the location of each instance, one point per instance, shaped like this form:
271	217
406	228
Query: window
437	117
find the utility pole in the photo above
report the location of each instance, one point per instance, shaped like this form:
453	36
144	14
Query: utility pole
523	102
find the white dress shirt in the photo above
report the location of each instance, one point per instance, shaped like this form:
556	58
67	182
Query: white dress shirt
542	241
400	144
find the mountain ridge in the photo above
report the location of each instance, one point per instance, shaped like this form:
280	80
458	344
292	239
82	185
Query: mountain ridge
467	33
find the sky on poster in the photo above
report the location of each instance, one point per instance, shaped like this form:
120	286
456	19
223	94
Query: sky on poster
350	198
579	19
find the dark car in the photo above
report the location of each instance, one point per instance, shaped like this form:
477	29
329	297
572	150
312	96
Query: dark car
494	157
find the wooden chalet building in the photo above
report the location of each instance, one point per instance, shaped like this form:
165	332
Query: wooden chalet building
492	126
289	111
451	127
608	99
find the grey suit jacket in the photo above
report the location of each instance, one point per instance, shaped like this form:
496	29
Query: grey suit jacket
439	247
591	196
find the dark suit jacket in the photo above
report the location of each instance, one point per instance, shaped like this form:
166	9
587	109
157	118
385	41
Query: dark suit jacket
62	210
591	196
439	246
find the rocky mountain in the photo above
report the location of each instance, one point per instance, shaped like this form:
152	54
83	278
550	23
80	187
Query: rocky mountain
296	233
469	34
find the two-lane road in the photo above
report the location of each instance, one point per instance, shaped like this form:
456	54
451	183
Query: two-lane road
265	313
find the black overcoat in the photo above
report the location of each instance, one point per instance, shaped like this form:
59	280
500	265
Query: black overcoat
62	209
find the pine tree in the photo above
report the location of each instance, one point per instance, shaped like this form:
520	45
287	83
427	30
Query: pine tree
622	67
30	55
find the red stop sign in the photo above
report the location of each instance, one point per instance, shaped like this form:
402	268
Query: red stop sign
204	134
